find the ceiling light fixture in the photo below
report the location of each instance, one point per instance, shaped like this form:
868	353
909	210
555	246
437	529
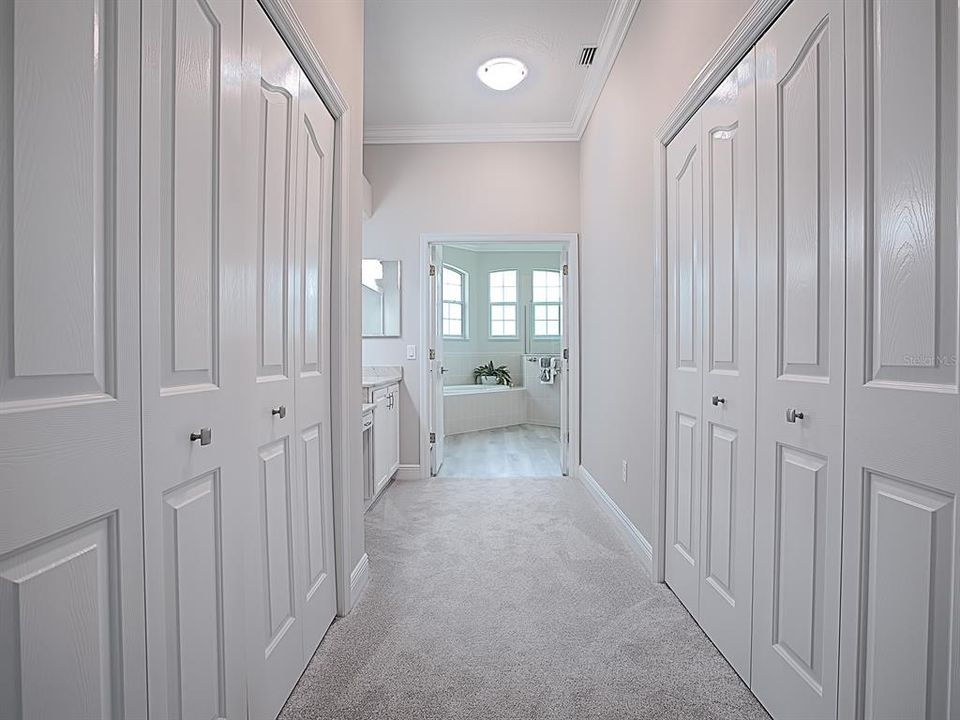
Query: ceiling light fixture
502	73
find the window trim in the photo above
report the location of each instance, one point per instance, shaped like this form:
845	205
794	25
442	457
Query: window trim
515	304
464	294
546	303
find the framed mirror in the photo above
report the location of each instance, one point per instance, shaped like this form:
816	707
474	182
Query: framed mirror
380	297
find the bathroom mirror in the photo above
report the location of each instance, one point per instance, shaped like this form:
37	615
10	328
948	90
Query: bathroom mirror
380	297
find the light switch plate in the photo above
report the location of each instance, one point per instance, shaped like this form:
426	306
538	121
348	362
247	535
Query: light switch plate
411	352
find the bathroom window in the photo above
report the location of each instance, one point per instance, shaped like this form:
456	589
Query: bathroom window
454	302
547	303
503	304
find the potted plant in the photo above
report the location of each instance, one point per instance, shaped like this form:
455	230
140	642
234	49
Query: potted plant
490	375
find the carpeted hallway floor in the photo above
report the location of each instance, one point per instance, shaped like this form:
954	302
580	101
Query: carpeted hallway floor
512	599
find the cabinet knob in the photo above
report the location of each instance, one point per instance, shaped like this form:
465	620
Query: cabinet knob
280	410
717	400
205	436
793	415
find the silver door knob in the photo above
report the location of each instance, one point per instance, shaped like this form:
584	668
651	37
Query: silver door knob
281	411
793	415
205	436
717	400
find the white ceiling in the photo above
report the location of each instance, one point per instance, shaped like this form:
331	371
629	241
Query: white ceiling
421	58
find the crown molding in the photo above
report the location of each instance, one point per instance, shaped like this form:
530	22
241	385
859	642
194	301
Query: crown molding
612	34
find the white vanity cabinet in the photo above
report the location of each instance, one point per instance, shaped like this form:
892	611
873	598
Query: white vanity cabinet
386	437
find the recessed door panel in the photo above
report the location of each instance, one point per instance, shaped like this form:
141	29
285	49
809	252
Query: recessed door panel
685	483
316	232
317	508
804	296
59	619
59	299
720	497
194	589
277	537
190	162
272	256
687	223
798	559
720	231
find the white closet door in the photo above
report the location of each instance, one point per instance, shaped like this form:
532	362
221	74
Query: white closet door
728	359
270	109
194	321
71	553
800	361
314	187
685	373
900	643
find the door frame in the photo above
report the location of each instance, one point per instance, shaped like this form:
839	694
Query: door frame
744	36
345	279
572	308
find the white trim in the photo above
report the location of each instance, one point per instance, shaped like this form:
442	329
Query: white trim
612	34
345	364
408	471
634	536
745	35
359	578
572	243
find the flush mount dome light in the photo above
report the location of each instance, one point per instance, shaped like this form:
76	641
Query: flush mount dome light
502	73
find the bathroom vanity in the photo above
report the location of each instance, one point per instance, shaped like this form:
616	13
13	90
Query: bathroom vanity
381	428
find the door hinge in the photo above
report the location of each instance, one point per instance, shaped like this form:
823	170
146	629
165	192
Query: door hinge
566	269
433	437
433	354
566	353
433	271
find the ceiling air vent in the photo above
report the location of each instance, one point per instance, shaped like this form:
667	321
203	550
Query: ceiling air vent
587	54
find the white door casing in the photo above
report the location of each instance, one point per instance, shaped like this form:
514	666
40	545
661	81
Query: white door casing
71	563
800	361
435	310
195	320
312	361
728	355
900	636
271	91
565	363
685	372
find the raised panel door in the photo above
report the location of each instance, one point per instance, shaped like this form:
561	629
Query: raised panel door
195	316
684	362
313	235
71	553
901	639
729	356
271	115
800	361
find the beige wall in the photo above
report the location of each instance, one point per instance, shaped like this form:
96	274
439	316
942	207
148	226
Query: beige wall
336	29
667	45
495	188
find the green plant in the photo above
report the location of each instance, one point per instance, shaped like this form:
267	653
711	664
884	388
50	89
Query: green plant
501	373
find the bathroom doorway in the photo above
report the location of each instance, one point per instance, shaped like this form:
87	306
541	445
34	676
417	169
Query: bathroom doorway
499	375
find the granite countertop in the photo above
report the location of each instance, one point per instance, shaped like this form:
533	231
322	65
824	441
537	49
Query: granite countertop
378	375
367	407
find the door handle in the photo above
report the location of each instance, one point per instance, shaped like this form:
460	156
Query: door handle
205	436
717	400
281	411
793	415
443	370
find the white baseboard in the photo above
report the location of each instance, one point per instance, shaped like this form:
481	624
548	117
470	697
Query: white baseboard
636	538
408	472
359	579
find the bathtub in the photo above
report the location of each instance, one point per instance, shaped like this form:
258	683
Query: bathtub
475	389
468	408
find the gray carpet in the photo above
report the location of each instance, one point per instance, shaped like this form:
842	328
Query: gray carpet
511	598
